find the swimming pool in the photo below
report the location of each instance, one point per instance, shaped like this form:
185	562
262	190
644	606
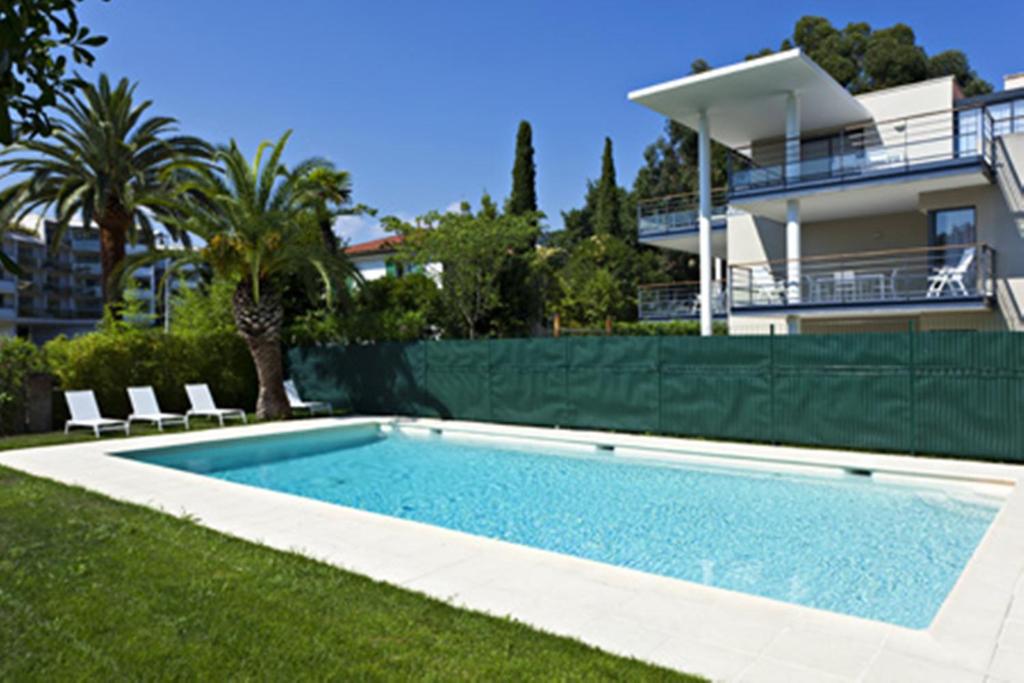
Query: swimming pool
842	543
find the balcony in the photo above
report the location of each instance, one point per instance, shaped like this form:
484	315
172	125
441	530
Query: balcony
955	277
677	213
927	144
678	301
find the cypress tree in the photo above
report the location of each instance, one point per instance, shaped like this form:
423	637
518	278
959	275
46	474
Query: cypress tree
607	214
524	174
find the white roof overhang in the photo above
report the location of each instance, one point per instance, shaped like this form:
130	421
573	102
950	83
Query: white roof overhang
747	101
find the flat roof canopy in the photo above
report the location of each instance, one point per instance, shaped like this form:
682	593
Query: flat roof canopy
747	101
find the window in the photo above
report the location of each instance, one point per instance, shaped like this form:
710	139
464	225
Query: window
951	228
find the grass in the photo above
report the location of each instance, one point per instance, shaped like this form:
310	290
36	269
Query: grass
91	588
138	429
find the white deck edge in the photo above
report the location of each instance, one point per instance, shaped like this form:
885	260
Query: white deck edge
978	634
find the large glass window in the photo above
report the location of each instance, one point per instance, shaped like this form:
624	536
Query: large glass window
951	228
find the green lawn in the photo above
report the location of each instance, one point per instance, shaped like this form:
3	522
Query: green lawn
95	589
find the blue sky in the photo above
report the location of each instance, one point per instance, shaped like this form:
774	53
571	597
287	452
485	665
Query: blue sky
420	100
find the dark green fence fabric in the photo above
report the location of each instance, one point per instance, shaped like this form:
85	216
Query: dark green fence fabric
951	393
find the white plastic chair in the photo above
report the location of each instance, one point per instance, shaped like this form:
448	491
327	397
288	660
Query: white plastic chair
145	408
952	277
201	399
296	402
85	412
766	287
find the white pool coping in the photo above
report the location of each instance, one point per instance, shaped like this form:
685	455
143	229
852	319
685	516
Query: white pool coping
978	634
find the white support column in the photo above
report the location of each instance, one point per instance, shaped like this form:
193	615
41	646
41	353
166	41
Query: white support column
704	221
792	205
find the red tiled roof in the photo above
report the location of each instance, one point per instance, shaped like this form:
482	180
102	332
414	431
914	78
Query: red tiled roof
373	246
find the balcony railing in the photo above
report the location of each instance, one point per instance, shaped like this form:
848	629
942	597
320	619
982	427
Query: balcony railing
678	301
921	276
676	212
878	148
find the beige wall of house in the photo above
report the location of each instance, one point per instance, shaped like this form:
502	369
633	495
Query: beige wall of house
914	122
865	233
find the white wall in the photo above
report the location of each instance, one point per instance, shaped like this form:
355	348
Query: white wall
371	268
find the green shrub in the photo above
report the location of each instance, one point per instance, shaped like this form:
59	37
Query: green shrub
387	309
119	356
18	358
685	328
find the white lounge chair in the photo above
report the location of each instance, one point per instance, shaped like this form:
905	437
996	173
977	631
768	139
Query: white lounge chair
146	409
203	406
766	288
952	277
86	413
296	402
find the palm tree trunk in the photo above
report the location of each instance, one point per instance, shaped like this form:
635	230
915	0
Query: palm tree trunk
115	224
260	323
327	233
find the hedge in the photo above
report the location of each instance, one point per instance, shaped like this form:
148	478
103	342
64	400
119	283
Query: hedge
18	359
109	361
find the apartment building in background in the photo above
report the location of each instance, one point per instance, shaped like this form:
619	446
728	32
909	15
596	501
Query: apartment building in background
877	212
60	291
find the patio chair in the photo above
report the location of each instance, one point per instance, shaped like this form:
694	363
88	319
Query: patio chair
201	399
86	413
296	402
145	408
766	288
952	277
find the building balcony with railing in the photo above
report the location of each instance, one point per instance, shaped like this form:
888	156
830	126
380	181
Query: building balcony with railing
678	301
930	144
949	277
677	213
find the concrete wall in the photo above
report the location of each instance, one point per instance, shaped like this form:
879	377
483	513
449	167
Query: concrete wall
927	134
866	233
371	268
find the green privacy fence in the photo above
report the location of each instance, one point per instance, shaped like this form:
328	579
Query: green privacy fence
955	393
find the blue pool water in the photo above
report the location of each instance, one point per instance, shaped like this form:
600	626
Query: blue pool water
845	544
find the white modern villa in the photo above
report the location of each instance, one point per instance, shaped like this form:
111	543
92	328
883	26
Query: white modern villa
841	213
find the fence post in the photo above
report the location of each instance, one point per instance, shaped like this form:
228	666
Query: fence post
911	373
771	382
557	326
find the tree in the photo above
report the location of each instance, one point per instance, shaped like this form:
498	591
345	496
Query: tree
600	279
328	191
259	229
524	174
862	59
36	38
105	163
607	208
473	249
520	307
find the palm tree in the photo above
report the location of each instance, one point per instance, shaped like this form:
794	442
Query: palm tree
260	228
103	162
328	191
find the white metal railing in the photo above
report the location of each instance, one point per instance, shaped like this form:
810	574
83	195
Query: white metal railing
878	147
676	212
924	275
678	300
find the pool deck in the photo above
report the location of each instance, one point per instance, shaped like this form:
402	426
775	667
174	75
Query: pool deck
978	634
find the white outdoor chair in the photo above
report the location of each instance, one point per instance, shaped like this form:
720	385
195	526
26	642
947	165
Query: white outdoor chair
952	277
201	399
86	413
145	408
766	288
296	402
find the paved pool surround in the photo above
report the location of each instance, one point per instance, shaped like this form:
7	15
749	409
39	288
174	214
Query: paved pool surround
977	635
